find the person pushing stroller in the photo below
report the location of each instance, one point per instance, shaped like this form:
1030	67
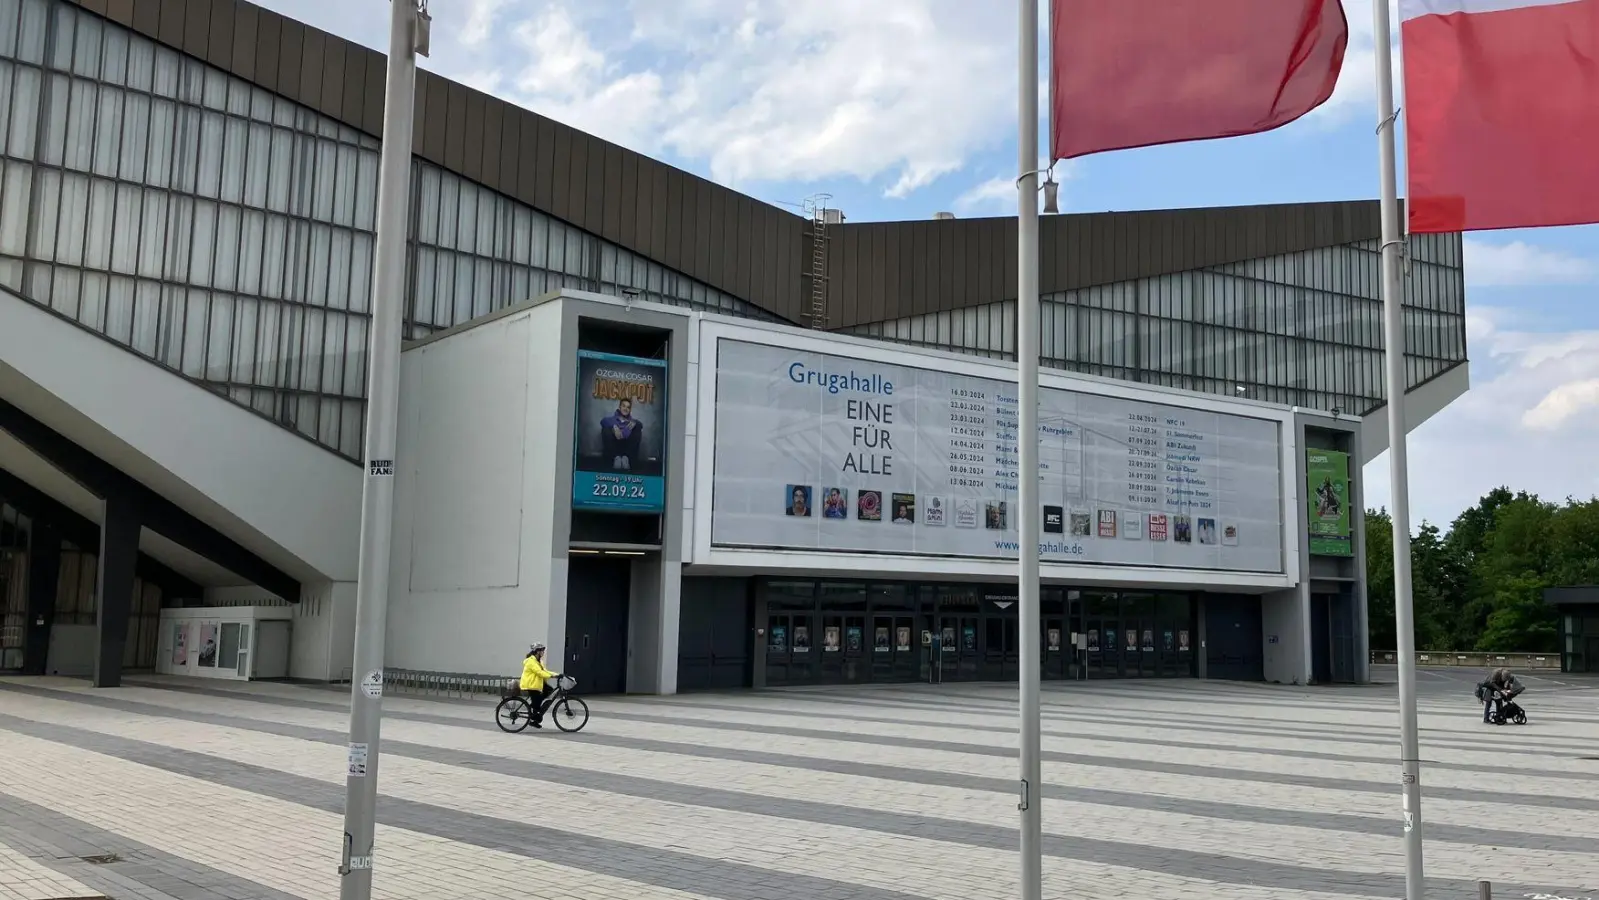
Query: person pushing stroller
1498	695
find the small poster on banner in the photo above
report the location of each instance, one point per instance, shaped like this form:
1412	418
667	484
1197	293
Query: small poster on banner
933	511
1229	534
965	513
1207	531
1132	526
1107	523
1157	526
1082	524
1182	529
835	503
904	509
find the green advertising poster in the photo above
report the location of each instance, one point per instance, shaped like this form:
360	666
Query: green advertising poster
1327	480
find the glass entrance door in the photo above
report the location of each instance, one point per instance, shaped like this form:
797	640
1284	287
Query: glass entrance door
1001	650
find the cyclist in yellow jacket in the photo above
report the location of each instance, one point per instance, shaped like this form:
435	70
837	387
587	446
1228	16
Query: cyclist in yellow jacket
535	681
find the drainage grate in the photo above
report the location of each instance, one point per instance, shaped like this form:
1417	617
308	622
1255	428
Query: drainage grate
101	860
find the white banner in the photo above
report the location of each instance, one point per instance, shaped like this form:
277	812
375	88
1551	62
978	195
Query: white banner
820	452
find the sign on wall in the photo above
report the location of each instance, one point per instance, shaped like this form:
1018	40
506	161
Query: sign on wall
619	454
1327	484
821	452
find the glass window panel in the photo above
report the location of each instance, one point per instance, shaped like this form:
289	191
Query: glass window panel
226	268
344	185
208	164
274	256
59	52
366	191
449	207
252	236
307	349
321	186
99	223
14	196
30	33
158	155
236	136
338	266
316	265
79	151
200	242
10	12
464	294
180	234
257	164
471	236
49	206
361	272
152	233
107	133
88	47
25	100
333	337
219	337
281	170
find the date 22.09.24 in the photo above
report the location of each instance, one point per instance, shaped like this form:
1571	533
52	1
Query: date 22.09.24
618	490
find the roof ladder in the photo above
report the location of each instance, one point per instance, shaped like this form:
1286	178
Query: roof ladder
817	207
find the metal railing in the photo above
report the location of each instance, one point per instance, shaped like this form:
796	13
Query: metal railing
1473	659
457	685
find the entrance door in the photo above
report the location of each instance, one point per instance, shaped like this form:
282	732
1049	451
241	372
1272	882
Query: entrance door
1590	659
1001	652
714	636
1233	638
1321	638
597	594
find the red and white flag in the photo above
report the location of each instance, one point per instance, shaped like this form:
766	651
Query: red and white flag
1133	73
1501	112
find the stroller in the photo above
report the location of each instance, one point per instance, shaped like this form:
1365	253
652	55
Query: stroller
1506	710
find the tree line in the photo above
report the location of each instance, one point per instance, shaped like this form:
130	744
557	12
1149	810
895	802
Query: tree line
1479	584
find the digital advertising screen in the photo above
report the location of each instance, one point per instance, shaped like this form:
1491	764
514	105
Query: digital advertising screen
619	459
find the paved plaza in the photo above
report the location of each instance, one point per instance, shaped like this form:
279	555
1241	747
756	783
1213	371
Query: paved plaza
189	790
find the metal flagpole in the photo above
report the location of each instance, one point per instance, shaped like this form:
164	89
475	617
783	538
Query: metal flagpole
1028	510
408	36
1393	243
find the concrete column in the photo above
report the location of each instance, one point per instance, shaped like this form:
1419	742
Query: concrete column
119	555
1199	644
44	578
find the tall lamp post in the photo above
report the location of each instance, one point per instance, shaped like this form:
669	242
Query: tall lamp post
409	27
1028	511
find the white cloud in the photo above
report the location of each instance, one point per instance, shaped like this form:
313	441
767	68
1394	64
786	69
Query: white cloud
904	93
1530	420
1520	263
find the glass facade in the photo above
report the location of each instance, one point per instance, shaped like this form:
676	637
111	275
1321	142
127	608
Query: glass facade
1303	329
845	632
227	234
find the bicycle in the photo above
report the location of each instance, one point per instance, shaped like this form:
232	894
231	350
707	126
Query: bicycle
569	713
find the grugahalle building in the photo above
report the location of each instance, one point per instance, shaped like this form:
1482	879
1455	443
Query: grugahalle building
187	199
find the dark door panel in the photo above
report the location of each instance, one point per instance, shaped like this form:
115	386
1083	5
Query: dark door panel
597	596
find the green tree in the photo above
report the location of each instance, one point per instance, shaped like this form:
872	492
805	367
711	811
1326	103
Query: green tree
1380	579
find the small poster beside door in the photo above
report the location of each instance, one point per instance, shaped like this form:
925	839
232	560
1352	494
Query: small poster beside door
180	643
969	638
830	639
1054	640
1149	640
1132	640
949	638
852	638
902	637
1182	641
1166	641
208	645
802	638
880	639
1093	641
778	641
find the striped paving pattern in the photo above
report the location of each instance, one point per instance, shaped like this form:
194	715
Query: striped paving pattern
1153	790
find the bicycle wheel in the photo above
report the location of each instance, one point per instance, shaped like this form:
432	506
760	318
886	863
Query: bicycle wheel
512	715
570	714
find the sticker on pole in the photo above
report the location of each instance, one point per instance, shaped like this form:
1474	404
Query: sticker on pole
360	863
372	684
383	468
357	761
1410	821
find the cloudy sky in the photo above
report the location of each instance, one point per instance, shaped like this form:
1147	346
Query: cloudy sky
900	108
